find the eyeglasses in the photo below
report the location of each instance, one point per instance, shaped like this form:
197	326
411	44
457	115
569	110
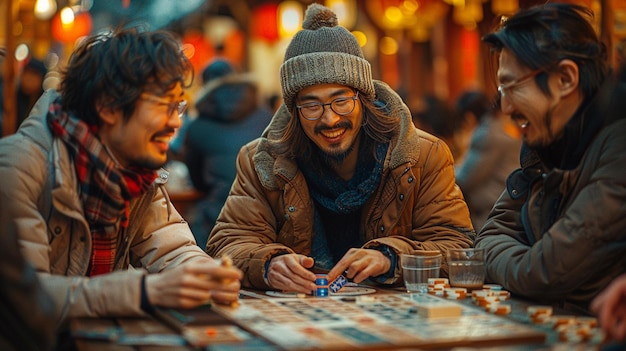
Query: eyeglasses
314	110
179	106
504	88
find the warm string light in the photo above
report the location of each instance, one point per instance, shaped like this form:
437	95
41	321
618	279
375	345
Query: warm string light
45	9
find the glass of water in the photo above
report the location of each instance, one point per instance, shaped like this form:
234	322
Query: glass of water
466	268
418	267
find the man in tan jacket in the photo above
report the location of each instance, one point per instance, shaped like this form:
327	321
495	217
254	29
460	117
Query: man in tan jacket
341	180
82	177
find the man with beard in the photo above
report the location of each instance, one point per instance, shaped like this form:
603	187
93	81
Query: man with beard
341	180
558	232
86	190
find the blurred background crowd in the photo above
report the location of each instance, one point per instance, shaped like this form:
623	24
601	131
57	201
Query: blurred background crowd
429	51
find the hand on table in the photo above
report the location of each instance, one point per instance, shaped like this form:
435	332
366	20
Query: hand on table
291	272
194	283
610	308
360	264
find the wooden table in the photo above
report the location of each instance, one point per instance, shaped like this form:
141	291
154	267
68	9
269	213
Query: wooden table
222	328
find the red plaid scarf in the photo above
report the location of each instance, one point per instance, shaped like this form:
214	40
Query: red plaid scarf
105	188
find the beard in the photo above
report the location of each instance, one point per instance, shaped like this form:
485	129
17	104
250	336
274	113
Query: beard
336	157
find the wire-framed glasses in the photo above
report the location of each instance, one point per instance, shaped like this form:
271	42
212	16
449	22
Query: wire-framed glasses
177	106
504	89
341	106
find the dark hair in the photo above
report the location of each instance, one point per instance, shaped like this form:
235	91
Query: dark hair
377	124
113	68
541	36
475	102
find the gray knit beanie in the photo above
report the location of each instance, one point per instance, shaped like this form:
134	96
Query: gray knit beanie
324	52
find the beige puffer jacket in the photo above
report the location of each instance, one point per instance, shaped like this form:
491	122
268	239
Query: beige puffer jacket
39	181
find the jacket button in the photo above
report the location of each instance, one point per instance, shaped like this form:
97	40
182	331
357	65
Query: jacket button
292	209
382	228
411	179
57	230
401	197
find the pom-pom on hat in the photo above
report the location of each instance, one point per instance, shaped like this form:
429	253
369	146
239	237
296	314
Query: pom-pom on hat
324	53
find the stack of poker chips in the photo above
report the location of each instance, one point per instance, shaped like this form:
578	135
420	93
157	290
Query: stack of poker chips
436	286
491	298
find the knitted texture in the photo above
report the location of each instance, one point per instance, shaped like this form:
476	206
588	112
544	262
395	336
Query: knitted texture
324	53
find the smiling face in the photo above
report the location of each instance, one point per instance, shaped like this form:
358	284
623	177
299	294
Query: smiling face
142	140
335	135
540	117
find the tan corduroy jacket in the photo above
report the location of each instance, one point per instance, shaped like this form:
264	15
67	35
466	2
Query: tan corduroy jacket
417	205
46	215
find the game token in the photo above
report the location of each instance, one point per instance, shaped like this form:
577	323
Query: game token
321	282
338	283
494	287
539	314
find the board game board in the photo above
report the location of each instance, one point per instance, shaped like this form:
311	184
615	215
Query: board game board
384	321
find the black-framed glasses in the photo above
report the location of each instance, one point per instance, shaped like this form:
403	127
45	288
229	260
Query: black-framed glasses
314	110
504	89
178	106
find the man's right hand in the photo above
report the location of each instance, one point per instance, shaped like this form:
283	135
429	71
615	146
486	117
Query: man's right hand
194	283
291	272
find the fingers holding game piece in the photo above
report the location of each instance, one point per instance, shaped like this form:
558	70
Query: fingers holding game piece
359	264
290	273
192	284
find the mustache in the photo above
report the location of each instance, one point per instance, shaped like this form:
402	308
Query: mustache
165	132
341	124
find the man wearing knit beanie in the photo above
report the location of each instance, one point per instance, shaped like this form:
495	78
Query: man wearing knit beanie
340	181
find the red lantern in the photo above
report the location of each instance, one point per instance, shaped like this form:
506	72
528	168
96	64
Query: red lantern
197	48
265	22
70	32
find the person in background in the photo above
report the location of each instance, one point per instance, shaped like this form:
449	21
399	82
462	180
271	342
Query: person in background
230	114
558	232
88	202
433	115
341	181
29	89
492	153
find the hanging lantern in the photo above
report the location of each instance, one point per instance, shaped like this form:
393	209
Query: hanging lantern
68	27
264	24
197	49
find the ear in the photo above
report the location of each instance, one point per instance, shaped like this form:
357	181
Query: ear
568	77
107	114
